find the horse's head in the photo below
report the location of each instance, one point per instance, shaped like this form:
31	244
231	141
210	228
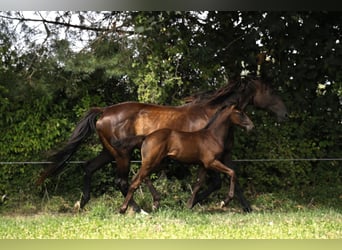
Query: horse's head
240	118
266	99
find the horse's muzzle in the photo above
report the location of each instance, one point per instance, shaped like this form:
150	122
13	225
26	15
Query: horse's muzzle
249	127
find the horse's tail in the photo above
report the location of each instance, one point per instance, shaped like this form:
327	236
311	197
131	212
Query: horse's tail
129	143
83	129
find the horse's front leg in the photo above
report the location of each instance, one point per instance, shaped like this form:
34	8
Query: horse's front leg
238	190
214	183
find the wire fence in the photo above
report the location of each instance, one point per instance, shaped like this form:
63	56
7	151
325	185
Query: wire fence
237	160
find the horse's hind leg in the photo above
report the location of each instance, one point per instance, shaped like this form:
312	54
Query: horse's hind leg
123	167
90	167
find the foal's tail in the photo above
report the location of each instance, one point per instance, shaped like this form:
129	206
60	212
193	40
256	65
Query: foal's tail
84	128
129	143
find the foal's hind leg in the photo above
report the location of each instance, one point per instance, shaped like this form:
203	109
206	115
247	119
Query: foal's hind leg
200	179
123	168
154	192
134	185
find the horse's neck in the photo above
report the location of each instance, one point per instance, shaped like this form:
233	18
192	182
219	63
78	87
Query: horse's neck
245	100
247	96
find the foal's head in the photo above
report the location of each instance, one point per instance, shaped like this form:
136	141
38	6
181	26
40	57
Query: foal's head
240	118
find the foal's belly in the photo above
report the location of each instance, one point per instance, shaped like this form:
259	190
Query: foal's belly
186	153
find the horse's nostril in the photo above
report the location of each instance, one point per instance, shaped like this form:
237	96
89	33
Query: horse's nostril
284	117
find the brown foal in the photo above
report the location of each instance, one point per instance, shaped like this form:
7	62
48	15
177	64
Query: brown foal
204	146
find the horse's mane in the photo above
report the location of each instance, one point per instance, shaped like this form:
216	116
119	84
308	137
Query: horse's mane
198	97
214	117
235	89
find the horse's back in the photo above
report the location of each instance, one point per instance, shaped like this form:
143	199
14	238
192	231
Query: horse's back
141	119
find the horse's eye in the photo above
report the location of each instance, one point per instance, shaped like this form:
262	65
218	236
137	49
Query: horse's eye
242	115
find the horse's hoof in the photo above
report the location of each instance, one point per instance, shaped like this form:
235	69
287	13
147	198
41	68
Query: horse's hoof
3	198
155	206
77	206
247	209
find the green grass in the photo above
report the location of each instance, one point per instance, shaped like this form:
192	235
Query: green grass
102	221
276	216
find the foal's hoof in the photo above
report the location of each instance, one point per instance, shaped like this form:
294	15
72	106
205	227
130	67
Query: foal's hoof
122	210
222	204
190	204
226	202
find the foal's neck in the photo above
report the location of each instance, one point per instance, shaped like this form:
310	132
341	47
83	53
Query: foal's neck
220	125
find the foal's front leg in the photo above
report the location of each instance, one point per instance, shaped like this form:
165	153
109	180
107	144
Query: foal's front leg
154	192
219	166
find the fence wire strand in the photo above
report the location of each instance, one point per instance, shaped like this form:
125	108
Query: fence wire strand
237	160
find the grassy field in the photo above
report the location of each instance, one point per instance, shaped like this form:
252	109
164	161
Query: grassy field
102	221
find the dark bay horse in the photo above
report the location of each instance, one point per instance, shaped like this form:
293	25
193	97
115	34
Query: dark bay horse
132	118
203	146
